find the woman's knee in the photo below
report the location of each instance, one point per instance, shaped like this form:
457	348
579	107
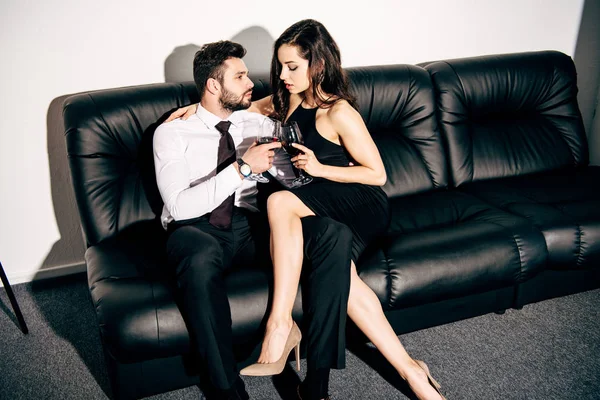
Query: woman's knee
286	202
279	201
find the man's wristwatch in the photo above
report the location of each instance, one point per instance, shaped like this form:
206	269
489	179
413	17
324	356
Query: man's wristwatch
245	169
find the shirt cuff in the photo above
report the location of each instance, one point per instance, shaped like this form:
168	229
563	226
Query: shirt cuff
231	178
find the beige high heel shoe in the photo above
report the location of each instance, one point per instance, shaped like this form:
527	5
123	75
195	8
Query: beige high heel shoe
432	381
292	342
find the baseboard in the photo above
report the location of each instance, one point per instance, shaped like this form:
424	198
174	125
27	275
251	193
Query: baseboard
46	273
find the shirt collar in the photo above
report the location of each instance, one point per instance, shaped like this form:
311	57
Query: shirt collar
210	119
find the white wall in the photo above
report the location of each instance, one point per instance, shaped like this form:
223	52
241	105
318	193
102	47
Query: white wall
55	48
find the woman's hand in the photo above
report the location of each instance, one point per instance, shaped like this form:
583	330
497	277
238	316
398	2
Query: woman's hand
183	112
307	161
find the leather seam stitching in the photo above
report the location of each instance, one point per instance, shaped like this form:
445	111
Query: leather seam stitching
411	85
390	281
470	156
520	257
119	180
516	245
579	241
155	314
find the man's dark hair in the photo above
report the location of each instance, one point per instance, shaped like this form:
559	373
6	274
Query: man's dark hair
210	59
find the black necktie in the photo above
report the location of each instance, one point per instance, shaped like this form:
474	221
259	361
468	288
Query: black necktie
221	216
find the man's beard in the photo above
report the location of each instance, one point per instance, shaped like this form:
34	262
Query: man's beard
229	101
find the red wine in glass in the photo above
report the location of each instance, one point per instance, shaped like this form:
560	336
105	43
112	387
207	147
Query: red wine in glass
291	150
267	139
289	134
267	132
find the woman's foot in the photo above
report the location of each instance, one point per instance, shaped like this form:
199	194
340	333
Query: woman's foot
276	336
417	378
265	367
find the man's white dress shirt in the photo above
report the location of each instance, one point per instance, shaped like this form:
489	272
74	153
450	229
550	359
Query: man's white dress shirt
185	160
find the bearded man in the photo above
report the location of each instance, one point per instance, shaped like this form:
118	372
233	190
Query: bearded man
210	212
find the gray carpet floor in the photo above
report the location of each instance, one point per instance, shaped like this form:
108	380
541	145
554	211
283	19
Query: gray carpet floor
549	350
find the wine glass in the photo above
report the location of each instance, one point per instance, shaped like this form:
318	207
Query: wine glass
266	131
290	133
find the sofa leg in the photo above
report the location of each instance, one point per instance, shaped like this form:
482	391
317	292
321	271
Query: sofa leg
499	312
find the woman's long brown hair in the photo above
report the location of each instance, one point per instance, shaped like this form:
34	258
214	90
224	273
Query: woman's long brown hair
316	45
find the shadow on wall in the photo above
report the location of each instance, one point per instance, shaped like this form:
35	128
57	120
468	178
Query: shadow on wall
257	41
70	247
68	250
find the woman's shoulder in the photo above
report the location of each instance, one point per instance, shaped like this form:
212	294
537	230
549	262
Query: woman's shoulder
344	118
341	110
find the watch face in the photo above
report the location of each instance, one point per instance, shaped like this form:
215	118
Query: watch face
245	170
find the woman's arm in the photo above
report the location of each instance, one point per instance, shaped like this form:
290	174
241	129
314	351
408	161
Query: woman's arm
183	113
355	137
263	106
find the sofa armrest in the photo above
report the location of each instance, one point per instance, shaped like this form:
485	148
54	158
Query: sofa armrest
133	298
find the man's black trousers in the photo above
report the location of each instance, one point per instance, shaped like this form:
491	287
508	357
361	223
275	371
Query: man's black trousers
200	256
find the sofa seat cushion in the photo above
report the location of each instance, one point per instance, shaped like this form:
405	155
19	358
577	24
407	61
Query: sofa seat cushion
135	298
564	204
447	244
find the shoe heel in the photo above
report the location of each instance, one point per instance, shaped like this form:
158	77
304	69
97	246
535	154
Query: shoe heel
297	351
432	381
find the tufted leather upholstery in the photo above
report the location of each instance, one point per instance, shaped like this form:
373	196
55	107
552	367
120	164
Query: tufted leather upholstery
516	119
488	179
397	105
447	244
509	115
434	231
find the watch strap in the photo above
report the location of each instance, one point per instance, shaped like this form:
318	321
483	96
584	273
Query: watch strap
241	164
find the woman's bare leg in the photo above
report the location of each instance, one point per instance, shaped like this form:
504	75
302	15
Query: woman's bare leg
284	210
365	310
284	213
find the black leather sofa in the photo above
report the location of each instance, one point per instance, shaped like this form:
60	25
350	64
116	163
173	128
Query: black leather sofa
493	205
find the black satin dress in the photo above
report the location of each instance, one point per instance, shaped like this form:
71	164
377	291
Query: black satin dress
363	208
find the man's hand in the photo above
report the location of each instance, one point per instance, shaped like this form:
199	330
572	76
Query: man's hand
183	112
260	157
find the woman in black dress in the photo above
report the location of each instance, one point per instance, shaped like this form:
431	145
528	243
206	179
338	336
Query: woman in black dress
310	87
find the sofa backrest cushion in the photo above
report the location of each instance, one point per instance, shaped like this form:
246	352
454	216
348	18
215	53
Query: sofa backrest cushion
109	141
508	115
397	105
109	144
